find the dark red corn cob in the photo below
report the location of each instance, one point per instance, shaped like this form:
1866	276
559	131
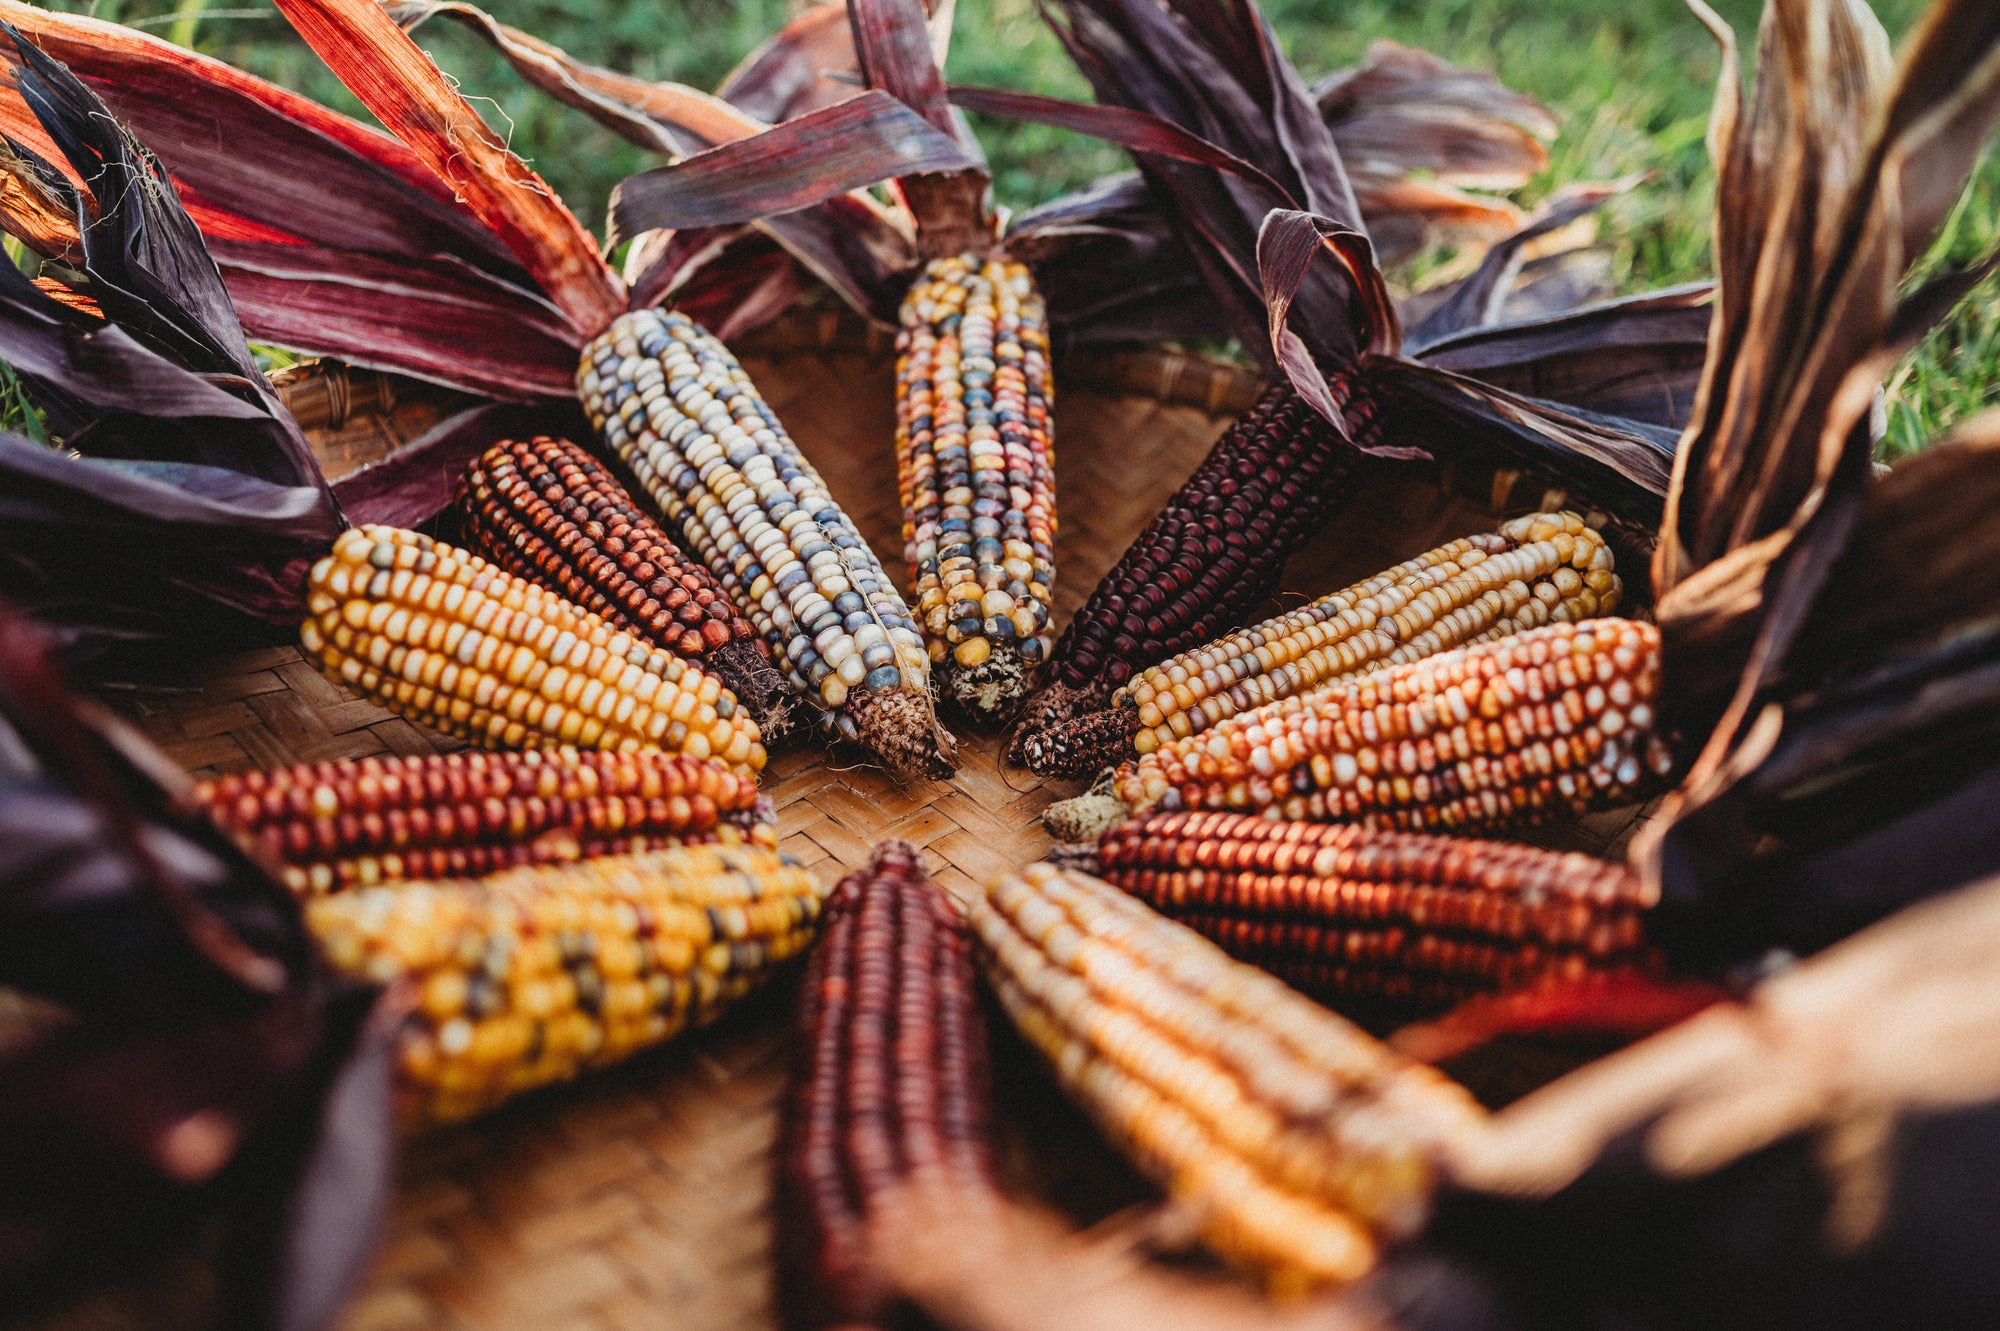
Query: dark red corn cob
1208	560
545	510
892	1081
1081	746
1396	919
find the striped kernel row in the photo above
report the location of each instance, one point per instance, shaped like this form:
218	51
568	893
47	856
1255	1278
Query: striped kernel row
975	462
892	1080
1348	913
444	638
1209	558
1297	1141
538	974
1554	722
1535	570
545	510
672	404
363	821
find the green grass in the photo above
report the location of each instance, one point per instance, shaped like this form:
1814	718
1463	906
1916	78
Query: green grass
1630	80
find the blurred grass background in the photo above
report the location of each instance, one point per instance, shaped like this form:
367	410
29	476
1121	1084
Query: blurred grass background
1630	80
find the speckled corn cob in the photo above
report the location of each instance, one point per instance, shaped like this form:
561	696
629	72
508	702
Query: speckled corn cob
891	1080
537	974
545	510
1293	1139
673	405
974	457
1208	559
444	638
1543	568
1550	723
359	822
1400	919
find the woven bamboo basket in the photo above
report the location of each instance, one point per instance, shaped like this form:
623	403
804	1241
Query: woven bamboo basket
640	1197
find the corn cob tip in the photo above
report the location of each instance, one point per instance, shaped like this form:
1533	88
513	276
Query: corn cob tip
745	669
990	692
1083	745
1051	705
1082	820
1075	858
899	728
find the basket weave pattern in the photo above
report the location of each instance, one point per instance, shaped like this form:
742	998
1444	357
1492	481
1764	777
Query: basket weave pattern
640	1197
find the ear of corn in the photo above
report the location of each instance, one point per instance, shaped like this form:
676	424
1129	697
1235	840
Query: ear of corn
1210	557
444	638
1396	919
1296	1141
974	454
891	1080
1553	722
360	822
674	406
1535	570
537	974
545	510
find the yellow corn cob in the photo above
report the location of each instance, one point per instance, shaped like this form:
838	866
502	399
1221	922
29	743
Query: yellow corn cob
673	404
975	460
1295	1140
360	822
446	639
537	974
1540	569
1552	722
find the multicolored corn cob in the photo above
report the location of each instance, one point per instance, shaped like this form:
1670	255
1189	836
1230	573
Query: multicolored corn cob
1208	559
1535	570
1554	722
891	1082
360	822
545	510
673	405
1295	1140
975	461
446	639
537	974
1386	919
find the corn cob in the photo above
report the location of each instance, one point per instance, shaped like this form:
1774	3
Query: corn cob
1550	723
360	822
1208	559
672	404
975	461
1396	919
446	639
537	974
1546	567
545	510
891	1082
1295	1140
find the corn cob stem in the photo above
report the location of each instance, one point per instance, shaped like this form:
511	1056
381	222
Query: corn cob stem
1543	568
1554	722
1296	1141
545	510
974	458
891	1083
674	406
444	638
359	822
1347	913
1210	557
537	974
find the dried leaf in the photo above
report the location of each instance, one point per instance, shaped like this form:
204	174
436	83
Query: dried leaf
805	161
798	68
394	79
